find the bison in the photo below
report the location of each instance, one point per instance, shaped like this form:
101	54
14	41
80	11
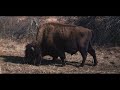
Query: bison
55	39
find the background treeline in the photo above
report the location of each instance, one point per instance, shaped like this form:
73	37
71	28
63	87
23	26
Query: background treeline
23	28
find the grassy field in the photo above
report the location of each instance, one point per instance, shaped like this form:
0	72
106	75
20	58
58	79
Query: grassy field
12	61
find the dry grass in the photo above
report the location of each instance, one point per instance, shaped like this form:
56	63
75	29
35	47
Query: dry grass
12	61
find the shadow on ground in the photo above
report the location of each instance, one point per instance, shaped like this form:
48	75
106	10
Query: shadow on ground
13	59
21	60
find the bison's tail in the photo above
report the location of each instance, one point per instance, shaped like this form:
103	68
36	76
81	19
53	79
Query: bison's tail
93	36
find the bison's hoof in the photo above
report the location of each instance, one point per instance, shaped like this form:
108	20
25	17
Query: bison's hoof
82	65
37	64
63	64
95	64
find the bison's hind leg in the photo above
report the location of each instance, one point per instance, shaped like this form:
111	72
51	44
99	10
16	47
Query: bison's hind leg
84	56
91	51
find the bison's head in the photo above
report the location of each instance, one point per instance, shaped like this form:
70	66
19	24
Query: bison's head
31	53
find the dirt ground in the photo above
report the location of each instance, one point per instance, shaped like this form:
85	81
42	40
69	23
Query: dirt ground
12	61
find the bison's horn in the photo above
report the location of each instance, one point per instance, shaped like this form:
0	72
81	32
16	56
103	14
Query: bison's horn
32	48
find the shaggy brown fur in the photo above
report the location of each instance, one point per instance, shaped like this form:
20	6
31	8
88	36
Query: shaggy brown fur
55	39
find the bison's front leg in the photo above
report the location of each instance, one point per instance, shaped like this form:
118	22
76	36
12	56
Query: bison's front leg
62	57
38	60
55	58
